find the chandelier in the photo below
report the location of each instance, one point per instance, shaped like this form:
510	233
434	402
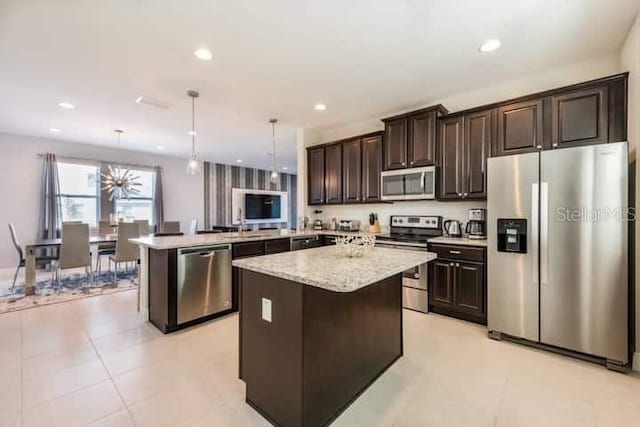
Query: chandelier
274	172
119	182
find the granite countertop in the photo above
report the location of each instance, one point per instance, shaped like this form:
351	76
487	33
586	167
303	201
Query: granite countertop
186	241
326	268
464	241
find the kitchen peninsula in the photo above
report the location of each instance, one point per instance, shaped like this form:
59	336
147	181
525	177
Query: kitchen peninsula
317	328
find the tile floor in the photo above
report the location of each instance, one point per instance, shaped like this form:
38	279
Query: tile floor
93	362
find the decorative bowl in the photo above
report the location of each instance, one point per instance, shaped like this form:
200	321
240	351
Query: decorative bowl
355	246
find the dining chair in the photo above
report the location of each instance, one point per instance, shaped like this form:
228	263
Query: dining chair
143	226
171	227
104	249
22	262
193	226
74	250
125	250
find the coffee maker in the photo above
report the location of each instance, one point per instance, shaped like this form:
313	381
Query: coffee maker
477	226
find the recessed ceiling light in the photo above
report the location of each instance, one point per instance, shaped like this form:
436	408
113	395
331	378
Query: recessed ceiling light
284	168
490	45
160	147
192	133
239	161
320	107
54	130
204	54
67	105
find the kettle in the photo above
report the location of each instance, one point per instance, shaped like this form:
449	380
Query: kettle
453	228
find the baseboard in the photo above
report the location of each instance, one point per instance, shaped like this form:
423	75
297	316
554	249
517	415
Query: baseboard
636	361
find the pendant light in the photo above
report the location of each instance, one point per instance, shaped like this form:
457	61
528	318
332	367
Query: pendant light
193	167
119	183
274	171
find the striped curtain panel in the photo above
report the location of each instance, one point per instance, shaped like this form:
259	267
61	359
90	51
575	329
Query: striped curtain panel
220	179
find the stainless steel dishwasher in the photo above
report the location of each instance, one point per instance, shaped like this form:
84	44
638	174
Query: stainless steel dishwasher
204	281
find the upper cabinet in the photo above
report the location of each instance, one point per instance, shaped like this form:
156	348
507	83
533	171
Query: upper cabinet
333	173
465	141
410	139
371	168
395	144
346	171
519	128
315	176
593	112
352	170
580	117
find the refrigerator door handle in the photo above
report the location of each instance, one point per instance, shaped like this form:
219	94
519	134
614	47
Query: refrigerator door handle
544	232
534	232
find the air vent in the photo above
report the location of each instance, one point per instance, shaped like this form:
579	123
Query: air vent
151	102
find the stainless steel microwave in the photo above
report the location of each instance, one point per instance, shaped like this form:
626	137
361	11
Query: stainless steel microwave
409	184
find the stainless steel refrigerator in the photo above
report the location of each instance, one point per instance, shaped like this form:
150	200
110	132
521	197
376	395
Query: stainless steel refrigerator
557	249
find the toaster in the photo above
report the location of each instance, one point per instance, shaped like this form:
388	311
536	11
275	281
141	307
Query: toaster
349	225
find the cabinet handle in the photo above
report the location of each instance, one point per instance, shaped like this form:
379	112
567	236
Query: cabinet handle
539	147
555	144
455	252
465	194
411	162
459	194
450	264
457	265
404	164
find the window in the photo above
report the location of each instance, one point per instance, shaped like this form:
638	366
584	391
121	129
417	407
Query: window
79	192
139	205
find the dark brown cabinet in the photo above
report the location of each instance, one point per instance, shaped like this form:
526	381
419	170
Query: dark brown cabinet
465	141
395	144
315	176
441	292
580	117
346	171
457	284
352	170
451	158
410	139
421	139
371	168
520	128
588	113
333	173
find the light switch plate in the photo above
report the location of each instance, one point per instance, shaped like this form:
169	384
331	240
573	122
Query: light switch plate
266	309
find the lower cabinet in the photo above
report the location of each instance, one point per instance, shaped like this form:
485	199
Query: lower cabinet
457	285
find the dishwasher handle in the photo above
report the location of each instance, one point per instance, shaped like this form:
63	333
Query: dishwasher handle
207	254
204	251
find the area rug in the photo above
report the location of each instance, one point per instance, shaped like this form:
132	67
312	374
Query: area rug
72	287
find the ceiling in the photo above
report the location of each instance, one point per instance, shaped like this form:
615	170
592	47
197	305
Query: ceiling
362	58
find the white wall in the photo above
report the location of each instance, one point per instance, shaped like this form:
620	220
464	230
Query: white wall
520	86
20	170
630	61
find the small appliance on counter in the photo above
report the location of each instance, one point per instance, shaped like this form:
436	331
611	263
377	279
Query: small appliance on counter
453	228
317	222
477	226
349	225
374	224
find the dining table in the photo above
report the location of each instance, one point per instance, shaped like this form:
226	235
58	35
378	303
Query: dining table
30	258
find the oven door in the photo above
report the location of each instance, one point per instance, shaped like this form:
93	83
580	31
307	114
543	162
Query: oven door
414	281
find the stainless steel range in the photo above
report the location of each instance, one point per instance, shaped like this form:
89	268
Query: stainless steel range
411	233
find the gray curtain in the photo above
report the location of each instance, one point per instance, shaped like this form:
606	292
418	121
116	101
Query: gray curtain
50	220
158	204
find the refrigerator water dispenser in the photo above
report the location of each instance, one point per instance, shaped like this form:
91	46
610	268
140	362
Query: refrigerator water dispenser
512	235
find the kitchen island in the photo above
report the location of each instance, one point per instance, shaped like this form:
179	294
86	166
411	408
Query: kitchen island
316	328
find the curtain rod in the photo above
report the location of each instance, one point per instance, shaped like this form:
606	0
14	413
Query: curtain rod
132	165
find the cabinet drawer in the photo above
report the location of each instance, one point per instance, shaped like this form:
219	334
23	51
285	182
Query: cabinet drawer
247	249
465	253
276	246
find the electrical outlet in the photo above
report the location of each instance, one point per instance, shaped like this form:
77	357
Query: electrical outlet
266	309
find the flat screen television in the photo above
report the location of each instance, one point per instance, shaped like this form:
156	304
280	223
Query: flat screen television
261	206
